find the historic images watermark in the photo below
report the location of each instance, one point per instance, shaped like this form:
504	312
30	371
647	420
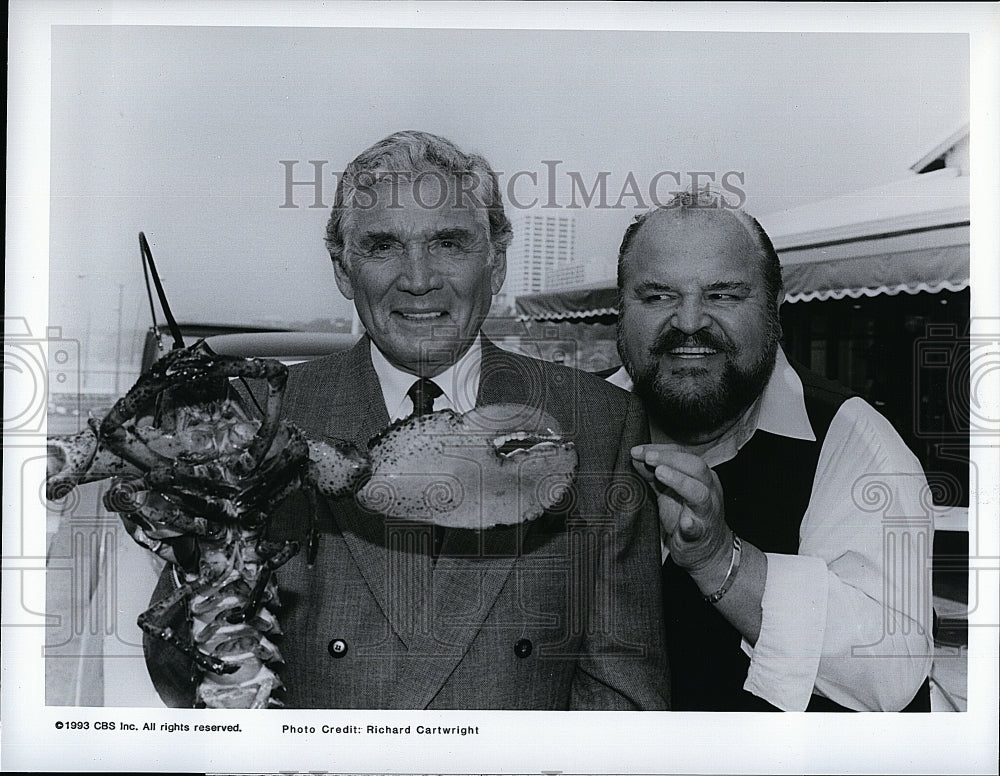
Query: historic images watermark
956	379
958	370
312	185
33	366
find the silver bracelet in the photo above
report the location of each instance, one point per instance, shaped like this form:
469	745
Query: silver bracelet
734	567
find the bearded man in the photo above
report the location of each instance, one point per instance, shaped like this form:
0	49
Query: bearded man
779	581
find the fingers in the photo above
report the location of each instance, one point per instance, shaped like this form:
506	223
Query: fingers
689	495
690	489
670	510
685	473
673	456
644	471
680	521
691	530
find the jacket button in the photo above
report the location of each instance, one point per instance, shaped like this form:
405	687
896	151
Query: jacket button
523	648
337	648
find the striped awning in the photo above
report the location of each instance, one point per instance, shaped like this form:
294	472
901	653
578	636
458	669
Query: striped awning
577	303
911	272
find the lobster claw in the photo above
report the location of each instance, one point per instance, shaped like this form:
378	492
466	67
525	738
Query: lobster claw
500	464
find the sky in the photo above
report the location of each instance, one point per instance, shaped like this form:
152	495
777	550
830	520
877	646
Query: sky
182	131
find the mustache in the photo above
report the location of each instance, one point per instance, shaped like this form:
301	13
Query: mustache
675	338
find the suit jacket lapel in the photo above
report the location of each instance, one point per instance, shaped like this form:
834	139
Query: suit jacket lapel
507	377
386	551
355	407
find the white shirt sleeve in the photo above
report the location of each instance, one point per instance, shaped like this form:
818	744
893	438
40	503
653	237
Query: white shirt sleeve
850	616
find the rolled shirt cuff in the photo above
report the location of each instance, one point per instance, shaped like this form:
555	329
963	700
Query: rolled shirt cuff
785	660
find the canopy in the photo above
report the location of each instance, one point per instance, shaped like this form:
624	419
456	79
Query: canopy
576	303
911	272
909	236
932	269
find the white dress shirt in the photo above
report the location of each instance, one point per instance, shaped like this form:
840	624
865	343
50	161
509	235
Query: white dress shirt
849	616
459	382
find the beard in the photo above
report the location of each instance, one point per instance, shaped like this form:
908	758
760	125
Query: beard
682	401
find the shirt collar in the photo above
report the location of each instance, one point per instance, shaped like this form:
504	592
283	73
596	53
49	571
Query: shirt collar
783	403
621	379
459	382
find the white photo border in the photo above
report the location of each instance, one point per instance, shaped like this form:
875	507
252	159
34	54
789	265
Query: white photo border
509	742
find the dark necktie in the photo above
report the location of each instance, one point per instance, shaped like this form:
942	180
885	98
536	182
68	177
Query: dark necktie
422	393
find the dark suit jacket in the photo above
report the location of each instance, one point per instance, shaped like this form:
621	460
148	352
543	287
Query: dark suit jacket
563	612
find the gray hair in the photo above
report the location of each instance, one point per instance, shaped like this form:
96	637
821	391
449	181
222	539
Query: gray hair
410	152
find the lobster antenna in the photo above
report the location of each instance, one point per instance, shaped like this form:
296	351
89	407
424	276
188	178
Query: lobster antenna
149	268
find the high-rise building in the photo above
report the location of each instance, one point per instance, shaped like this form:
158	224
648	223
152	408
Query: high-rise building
541	251
564	276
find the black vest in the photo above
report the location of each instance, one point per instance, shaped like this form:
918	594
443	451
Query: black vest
766	492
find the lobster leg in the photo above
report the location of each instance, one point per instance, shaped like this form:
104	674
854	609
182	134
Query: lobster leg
76	459
156	514
276	375
152	621
193	366
256	599
210	498
312	545
265	492
130	448
158	525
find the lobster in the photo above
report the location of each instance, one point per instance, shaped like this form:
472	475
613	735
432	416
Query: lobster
195	480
